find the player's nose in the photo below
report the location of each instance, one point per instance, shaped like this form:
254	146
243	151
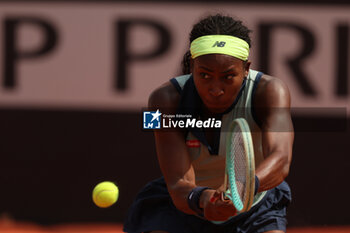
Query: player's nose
216	91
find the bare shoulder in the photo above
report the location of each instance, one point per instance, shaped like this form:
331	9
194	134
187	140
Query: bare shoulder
165	98
272	105
272	92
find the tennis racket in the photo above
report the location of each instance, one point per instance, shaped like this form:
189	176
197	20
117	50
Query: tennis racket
239	181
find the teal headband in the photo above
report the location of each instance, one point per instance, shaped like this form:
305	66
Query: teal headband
221	44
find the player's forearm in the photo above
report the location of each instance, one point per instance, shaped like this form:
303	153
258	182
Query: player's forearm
179	192
273	170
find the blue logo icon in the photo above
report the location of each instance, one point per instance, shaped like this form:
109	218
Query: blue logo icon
151	120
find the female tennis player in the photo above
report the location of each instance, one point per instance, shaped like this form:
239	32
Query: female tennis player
217	83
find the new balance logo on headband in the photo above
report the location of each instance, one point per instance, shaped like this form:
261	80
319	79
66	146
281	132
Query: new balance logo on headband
219	44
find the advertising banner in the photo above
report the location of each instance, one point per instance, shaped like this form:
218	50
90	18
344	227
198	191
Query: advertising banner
111	56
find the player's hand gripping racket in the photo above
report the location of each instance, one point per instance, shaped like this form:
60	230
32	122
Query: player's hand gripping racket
239	180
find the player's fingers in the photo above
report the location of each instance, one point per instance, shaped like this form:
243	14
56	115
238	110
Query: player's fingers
222	188
226	207
219	210
216	196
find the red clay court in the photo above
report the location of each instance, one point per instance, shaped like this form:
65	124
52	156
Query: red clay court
22	227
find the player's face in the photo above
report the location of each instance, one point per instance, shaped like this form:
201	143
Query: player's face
218	79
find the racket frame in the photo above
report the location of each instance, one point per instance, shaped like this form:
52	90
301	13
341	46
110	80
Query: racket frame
250	171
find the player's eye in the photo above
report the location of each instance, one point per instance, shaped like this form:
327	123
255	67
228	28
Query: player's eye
204	75
229	77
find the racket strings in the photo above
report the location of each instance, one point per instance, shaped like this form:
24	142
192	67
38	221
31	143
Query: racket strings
240	164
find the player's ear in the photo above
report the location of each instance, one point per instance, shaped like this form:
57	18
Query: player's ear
246	67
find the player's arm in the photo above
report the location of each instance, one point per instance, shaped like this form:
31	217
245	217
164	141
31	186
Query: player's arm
175	163
173	157
272	105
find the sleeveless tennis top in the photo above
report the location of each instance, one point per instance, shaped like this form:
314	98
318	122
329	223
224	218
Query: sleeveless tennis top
209	160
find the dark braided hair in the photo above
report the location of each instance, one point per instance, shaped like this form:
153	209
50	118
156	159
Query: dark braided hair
215	25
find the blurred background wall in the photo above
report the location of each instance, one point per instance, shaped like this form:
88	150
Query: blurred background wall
75	76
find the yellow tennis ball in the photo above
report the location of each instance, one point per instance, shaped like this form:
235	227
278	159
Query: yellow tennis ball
105	194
